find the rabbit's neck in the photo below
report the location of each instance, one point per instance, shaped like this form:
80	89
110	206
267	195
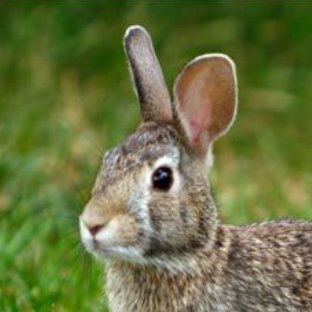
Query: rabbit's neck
133	287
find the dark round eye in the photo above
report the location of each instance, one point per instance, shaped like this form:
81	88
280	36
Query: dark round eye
162	178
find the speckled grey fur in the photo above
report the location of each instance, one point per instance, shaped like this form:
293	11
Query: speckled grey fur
172	253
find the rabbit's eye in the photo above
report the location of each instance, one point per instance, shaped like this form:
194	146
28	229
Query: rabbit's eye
162	178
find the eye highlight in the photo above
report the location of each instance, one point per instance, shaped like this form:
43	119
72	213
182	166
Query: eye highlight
162	178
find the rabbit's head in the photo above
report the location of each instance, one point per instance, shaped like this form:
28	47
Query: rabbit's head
152	200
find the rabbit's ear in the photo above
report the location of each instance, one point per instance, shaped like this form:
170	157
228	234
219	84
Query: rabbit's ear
147	75
205	99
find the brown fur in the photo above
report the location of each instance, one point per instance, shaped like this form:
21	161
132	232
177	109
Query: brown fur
166	250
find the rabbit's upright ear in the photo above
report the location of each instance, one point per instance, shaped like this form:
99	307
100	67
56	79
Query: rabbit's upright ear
148	78
205	99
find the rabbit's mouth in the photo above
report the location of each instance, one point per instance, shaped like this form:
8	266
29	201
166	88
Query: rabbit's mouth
111	241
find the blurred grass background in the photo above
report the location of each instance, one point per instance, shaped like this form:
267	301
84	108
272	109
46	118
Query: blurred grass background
66	96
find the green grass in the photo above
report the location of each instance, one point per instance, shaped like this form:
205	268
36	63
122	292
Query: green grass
65	97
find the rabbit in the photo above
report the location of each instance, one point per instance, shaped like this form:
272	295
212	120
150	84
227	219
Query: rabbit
152	216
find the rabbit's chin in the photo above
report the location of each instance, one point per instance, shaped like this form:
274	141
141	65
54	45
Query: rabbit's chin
128	254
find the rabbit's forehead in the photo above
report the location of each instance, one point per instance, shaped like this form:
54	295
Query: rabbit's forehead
148	144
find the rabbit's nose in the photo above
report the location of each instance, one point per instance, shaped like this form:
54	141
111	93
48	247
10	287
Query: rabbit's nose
91	224
93	219
94	229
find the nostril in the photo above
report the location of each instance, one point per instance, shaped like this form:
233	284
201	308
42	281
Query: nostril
95	229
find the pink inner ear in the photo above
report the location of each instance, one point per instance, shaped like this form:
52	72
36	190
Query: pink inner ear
196	107
198	124
195	130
